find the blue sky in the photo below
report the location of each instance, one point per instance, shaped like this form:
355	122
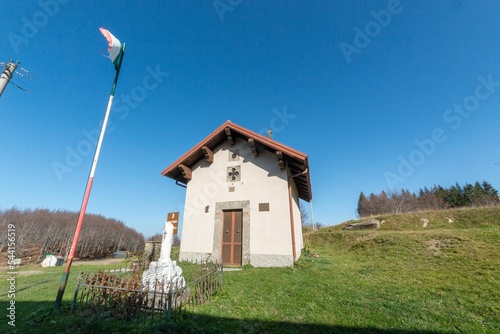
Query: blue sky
380	94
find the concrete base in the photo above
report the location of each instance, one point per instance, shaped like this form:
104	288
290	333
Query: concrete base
163	276
193	256
264	260
256	260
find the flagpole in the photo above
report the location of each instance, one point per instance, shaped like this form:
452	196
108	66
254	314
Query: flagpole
65	276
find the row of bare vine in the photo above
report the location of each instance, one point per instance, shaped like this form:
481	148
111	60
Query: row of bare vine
41	231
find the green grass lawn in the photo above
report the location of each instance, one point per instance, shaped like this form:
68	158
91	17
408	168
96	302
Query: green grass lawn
438	280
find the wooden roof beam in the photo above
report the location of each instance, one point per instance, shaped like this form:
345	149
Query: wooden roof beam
281	162
209	155
255	150
301	180
299	166
186	171
299	174
229	136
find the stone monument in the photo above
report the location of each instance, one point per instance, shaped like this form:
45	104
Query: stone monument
164	275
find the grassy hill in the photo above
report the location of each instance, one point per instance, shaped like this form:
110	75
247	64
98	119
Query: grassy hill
463	218
402	278
463	232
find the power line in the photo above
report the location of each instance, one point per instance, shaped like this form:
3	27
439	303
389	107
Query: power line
11	68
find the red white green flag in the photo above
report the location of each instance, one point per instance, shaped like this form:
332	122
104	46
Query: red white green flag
115	48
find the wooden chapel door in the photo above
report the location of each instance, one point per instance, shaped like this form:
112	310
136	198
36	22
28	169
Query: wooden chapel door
232	237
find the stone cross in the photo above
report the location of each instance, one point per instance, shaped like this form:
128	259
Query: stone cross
164	274
166	244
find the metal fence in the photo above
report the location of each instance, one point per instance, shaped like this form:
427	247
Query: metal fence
119	293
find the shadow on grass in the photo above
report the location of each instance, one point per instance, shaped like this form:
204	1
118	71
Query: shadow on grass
32	285
39	317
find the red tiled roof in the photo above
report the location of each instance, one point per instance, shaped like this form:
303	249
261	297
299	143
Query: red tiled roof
296	160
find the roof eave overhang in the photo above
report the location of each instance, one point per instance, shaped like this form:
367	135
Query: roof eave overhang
296	160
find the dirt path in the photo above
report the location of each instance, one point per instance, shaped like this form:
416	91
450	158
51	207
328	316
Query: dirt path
97	262
75	263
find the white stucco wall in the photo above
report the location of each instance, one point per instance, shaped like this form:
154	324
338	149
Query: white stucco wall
262	181
299	243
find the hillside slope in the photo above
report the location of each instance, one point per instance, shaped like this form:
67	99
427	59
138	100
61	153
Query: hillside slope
461	218
471	233
449	270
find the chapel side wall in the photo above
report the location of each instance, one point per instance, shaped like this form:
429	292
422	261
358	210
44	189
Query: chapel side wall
299	242
271	246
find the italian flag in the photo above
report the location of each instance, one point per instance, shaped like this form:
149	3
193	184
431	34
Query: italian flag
115	48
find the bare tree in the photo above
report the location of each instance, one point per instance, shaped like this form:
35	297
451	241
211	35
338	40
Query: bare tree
41	231
304	215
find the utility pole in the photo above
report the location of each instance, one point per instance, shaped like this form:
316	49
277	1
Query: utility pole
7	74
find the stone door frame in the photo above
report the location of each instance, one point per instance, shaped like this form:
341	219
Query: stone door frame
218	223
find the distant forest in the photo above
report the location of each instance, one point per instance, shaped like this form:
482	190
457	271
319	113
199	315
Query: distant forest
435	198
41	231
